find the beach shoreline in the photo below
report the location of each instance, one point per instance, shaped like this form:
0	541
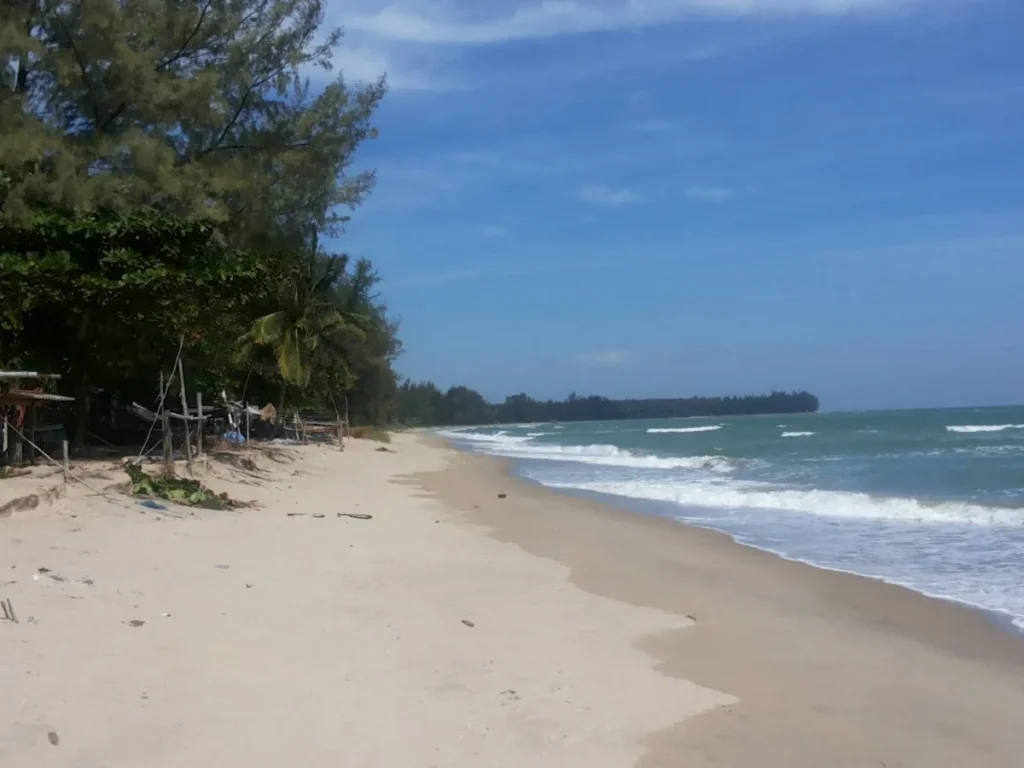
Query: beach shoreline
476	619
873	630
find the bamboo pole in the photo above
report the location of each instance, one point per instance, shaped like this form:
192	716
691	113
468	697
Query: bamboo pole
165	428
31	414
184	412
200	425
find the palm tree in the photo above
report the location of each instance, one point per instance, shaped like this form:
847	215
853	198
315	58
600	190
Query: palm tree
309	324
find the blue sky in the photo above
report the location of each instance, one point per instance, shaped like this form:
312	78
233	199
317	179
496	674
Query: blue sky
673	197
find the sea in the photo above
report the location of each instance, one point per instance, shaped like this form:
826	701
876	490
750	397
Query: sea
929	499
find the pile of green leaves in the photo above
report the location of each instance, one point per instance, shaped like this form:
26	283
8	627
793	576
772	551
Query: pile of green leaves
179	490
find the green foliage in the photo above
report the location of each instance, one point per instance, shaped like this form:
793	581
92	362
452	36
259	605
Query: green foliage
423	404
187	108
179	490
103	298
162	164
309	322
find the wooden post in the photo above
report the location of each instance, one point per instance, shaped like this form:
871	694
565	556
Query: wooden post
341	436
200	425
17	447
248	432
184	412
30	414
165	428
67	464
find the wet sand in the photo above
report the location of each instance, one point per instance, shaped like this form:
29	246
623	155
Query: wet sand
830	669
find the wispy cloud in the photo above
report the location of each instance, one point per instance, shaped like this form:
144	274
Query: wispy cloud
552	18
605	357
599	194
710	194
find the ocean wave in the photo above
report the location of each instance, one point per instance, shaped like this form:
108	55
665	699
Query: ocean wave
612	456
497	438
984	428
797	434
834	504
682	430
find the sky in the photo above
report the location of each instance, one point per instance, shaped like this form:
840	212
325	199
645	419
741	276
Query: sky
642	198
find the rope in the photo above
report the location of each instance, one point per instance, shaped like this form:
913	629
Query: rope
116	498
163	396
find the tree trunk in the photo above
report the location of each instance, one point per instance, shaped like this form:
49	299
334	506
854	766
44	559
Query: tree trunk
278	427
80	377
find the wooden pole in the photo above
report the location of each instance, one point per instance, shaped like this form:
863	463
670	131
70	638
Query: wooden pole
184	412
67	464
165	428
32	442
341	436
200	425
248	431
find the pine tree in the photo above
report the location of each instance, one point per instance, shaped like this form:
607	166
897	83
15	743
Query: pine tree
184	107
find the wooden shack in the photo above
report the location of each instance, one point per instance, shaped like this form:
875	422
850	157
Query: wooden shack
30	416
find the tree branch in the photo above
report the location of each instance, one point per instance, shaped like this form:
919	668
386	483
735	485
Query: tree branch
188	40
85	74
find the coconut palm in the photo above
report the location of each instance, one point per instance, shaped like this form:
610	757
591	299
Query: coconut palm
308	328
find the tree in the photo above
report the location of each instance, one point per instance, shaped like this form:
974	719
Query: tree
106	299
309	326
182	107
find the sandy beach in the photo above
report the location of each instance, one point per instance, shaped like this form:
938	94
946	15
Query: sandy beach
458	628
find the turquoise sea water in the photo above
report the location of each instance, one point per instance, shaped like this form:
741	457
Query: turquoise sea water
933	500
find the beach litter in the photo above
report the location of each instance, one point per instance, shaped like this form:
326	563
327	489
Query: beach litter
355	516
468	623
53	738
136	623
150	504
8	611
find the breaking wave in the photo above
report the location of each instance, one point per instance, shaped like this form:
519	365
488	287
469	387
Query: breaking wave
984	427
682	430
834	504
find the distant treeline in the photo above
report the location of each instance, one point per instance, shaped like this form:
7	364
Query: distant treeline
423	404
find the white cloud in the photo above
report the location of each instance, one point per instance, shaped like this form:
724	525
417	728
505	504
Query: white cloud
605	357
367	63
551	18
599	194
710	194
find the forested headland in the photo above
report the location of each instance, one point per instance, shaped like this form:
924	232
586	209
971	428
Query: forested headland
423	404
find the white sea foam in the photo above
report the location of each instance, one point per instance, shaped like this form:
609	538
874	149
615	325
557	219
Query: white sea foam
610	456
498	438
984	427
797	434
834	504
682	430
503	444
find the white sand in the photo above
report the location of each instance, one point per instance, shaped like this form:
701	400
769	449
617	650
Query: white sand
323	642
